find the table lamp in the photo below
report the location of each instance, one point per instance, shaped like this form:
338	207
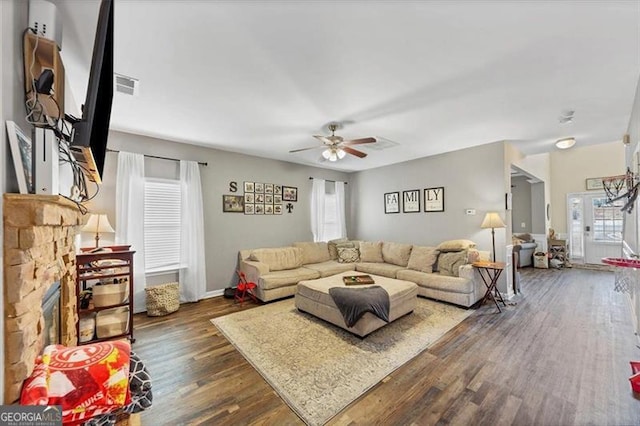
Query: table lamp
493	220
98	223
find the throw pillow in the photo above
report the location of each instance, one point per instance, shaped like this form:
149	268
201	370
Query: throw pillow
396	253
423	259
333	249
371	252
449	263
525	238
348	255
456	245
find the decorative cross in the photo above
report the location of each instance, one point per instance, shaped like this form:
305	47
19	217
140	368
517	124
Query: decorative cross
289	207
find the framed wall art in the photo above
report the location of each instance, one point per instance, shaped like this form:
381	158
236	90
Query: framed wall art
248	187
434	199
411	201
233	203
21	151
594	184
259	209
268	198
249	208
259	187
277	189
277	199
268	188
289	193
249	198
392	202
277	209
259	198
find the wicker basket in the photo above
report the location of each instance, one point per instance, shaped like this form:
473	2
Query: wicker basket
162	299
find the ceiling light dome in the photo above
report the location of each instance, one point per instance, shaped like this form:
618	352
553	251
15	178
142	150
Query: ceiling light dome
565	143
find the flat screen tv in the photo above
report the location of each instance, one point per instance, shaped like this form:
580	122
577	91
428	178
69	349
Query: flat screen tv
89	135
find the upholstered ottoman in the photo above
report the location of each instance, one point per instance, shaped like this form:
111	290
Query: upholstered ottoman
313	297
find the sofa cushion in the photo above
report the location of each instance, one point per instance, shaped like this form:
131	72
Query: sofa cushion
378	268
348	255
449	262
278	259
286	277
396	253
437	281
313	252
423	258
455	245
333	249
371	252
331	267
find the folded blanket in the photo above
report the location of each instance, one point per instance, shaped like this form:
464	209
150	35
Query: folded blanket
85	380
353	303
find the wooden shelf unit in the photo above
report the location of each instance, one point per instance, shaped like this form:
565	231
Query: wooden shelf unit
89	269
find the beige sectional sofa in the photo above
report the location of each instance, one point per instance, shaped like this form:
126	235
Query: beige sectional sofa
442	273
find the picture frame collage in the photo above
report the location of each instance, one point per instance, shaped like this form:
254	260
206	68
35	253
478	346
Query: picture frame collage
266	198
432	199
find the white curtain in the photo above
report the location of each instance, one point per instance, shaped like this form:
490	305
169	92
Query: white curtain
130	218
340	207
193	275
317	209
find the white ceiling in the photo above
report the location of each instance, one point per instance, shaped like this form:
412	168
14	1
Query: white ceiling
262	77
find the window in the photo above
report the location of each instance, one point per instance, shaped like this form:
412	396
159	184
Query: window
162	225
607	220
331	229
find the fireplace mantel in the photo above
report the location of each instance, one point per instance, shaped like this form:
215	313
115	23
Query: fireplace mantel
39	249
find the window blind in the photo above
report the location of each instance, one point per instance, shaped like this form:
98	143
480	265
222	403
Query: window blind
162	224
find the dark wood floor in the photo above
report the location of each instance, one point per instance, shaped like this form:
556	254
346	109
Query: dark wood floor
560	356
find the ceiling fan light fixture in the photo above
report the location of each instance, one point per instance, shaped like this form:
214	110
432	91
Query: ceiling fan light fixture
565	143
326	154
341	153
333	156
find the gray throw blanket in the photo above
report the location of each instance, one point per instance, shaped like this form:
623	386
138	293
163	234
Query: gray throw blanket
353	303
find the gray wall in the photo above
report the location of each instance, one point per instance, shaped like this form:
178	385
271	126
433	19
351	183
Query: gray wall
538	209
13	20
473	178
521	202
225	233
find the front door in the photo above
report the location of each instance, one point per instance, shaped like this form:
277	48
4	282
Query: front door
595	227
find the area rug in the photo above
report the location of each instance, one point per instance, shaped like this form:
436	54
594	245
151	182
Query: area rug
318	368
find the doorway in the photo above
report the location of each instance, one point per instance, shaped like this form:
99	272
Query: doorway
595	227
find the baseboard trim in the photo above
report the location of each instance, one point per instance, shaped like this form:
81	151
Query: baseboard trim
213	293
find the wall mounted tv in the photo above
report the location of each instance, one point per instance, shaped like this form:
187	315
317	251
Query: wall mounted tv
89	135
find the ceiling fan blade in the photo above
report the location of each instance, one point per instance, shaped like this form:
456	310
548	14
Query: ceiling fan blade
359	141
325	140
305	149
354	152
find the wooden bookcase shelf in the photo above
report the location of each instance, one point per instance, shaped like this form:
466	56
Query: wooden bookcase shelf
99	267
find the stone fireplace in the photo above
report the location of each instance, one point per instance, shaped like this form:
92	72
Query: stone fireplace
39	250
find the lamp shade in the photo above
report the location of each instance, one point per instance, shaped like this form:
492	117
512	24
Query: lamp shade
98	223
492	220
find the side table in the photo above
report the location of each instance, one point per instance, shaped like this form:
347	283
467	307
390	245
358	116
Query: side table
490	272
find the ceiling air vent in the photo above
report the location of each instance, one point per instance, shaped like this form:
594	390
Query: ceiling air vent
381	144
126	85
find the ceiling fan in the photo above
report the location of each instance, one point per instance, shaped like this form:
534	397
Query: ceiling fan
335	147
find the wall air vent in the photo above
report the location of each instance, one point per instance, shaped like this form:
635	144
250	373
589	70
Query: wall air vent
127	85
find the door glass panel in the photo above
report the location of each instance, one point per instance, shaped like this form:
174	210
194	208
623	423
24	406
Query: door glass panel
576	226
607	220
